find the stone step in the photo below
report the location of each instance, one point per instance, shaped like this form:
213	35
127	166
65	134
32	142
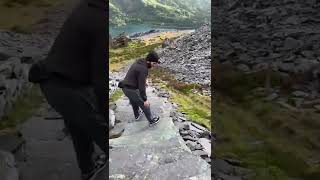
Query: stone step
159	160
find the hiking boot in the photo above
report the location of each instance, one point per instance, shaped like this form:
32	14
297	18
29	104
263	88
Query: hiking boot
100	164
154	121
140	115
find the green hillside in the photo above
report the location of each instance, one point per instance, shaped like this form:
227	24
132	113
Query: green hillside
178	12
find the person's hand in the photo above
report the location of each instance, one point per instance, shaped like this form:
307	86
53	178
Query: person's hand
146	104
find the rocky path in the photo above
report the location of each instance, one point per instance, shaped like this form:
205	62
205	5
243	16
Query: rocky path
158	152
49	153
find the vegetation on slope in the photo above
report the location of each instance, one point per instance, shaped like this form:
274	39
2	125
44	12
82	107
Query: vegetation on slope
21	15
275	142
196	106
178	12
120	57
23	108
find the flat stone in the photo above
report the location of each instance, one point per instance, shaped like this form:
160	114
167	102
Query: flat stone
199	147
191	145
117	131
206	144
184	133
200	153
112	119
182	119
300	94
157	152
288	106
190	138
193	128
8	170
199	126
271	97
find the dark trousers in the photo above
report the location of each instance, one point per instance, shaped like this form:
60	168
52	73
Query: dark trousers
78	106
136	102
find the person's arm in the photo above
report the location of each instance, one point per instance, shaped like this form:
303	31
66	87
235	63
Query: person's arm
142	78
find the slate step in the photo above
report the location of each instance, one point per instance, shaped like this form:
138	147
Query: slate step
157	153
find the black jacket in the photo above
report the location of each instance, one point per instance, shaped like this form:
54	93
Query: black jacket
136	77
79	53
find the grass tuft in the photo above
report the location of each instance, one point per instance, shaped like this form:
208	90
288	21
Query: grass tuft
23	108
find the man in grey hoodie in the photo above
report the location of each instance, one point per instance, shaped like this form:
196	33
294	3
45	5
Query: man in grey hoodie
134	86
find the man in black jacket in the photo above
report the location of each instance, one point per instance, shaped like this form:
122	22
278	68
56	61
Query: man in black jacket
134	86
73	79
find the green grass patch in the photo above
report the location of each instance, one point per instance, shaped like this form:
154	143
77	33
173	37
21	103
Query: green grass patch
22	109
121	56
196	107
117	95
268	139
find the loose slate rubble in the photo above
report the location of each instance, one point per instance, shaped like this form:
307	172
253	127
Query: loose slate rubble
283	35
190	58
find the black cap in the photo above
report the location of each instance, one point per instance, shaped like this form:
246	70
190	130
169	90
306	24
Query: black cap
152	57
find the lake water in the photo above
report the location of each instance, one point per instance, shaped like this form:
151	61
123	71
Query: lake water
134	28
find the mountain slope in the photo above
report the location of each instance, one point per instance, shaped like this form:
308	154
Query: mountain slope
182	12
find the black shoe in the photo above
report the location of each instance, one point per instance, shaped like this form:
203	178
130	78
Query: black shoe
154	121
100	164
140	115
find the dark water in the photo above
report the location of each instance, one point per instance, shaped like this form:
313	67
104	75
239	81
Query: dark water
134	28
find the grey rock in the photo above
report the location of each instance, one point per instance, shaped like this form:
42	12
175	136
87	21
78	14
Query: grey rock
191	145
288	106
291	43
206	144
6	69
310	103
243	67
300	94
116	131
194	133
184	133
200	153
272	97
8	169
190	138
198	147
199	126
112	119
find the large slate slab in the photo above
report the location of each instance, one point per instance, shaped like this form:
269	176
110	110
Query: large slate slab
157	152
